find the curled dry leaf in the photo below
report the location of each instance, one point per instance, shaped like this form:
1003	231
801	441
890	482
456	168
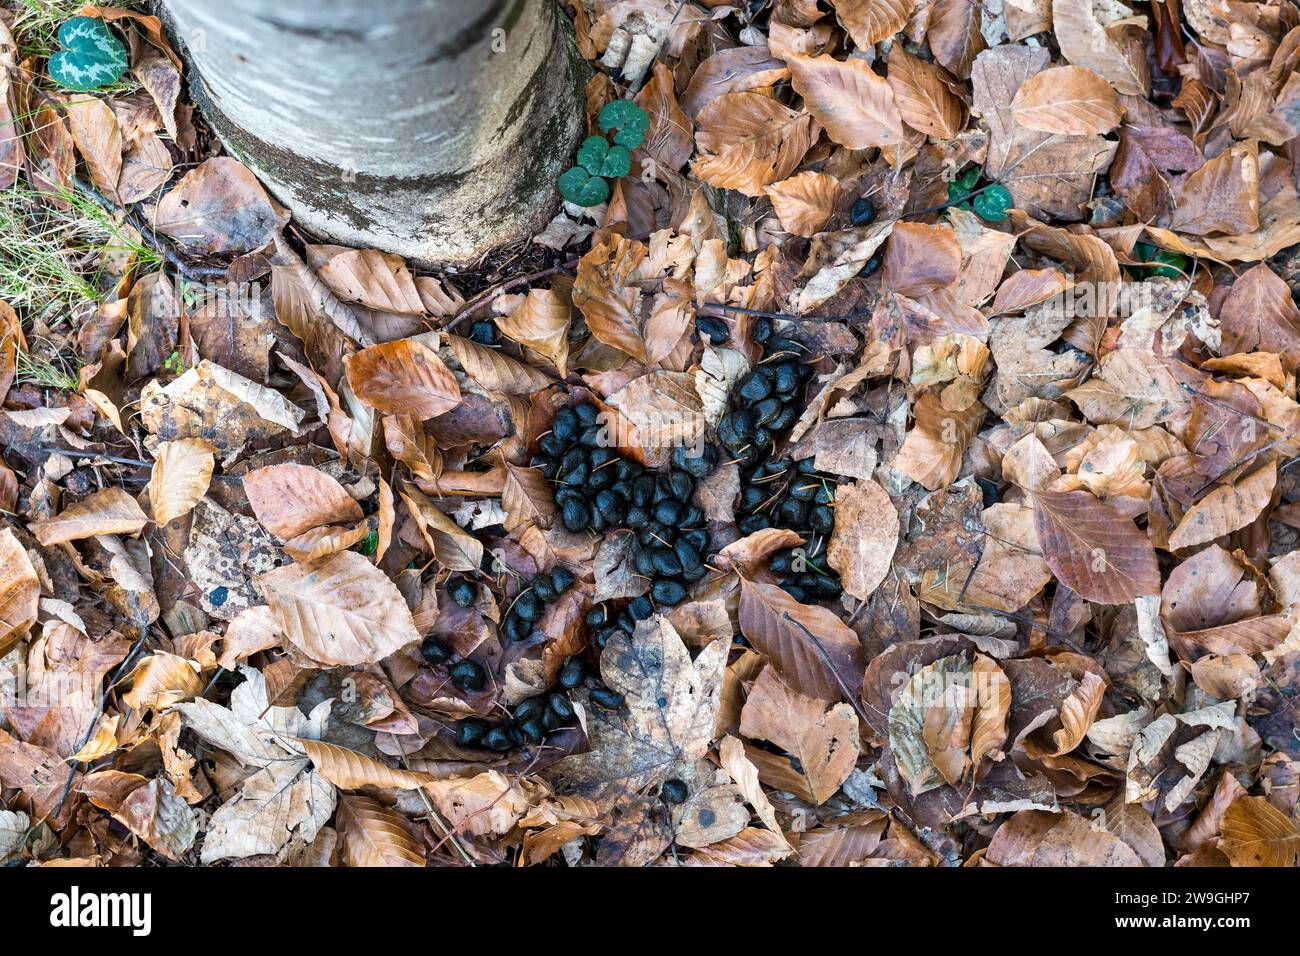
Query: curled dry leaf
541	322
20	591
349	770
455	549
604	293
181	473
496	371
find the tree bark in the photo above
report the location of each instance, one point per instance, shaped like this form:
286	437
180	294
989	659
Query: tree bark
435	129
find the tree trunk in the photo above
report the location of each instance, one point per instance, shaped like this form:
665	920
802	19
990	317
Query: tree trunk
435	129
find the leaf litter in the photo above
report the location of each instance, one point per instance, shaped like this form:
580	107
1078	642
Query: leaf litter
931	384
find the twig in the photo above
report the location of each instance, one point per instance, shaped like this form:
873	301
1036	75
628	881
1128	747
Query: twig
187	270
826	658
99	710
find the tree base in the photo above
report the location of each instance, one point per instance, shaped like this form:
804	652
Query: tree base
492	181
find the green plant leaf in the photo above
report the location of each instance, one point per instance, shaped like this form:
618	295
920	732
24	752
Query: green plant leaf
629	138
1175	265
92	56
583	189
592	153
969	178
992	204
617	163
629	119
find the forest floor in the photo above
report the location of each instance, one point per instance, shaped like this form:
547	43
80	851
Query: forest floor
895	465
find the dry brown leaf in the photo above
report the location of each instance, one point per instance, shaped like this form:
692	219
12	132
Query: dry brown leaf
1071	100
403	378
1093	548
1038	838
98	136
527	498
605	294
341	611
111	511
496	371
541	322
932	452
377	280
376	835
1221	196
455	549
813	651
219	206
921	258
922	91
804	203
1113	49
291	499
671	705
1256	833
870	21
485	803
853	103
861	549
748	141
20	591
824	739
1225	509
349	770
954	34
182	471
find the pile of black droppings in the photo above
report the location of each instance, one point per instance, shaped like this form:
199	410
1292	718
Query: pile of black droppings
596	489
780	492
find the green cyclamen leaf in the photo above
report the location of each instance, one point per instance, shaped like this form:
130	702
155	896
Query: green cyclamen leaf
617	163
592	153
624	116
993	203
92	56
581	188
629	138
